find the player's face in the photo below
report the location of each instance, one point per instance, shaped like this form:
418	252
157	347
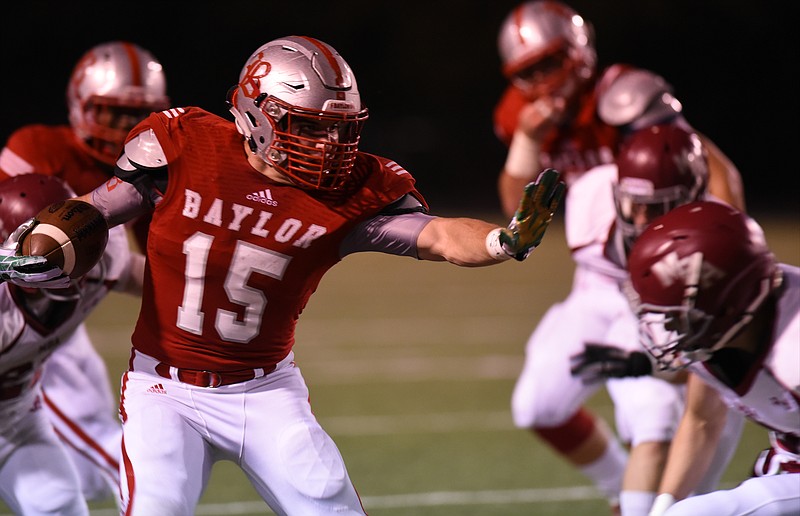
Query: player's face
319	137
111	124
546	76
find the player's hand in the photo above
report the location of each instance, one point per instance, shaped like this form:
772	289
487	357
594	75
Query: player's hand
540	116
28	271
539	202
598	362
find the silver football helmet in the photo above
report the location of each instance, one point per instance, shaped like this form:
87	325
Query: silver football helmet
297	105
546	48
113	87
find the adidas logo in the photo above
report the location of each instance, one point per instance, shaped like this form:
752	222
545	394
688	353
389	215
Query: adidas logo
174	112
157	389
262	196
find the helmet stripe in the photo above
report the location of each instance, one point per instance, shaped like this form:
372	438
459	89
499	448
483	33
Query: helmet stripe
133	59
334	64
518	23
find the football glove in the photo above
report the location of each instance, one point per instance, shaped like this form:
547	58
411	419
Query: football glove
28	271
539	202
598	362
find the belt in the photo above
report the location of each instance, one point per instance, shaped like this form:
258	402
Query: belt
212	379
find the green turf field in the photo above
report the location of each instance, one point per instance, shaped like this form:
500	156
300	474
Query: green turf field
411	367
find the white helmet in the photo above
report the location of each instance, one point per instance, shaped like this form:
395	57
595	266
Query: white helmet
298	106
544	37
113	87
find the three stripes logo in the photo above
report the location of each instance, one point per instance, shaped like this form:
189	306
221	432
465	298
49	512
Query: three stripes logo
262	196
157	389
173	112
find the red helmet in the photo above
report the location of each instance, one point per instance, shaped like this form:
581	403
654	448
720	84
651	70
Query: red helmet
659	167
698	274
546	48
23	196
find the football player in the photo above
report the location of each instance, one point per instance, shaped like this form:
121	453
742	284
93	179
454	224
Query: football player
36	474
112	87
247	218
711	298
560	110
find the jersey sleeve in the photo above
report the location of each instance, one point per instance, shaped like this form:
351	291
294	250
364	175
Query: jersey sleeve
590	208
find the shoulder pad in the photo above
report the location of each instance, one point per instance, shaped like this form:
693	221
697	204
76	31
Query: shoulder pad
144	151
637	97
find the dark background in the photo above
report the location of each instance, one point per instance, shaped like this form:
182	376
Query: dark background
429	72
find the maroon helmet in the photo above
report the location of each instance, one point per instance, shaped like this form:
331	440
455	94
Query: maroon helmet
698	273
23	196
659	167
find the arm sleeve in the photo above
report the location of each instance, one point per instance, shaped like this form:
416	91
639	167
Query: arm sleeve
391	234
119	201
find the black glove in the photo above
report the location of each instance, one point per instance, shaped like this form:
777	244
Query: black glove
598	362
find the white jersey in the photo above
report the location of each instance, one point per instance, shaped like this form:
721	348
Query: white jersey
26	341
589	216
771	395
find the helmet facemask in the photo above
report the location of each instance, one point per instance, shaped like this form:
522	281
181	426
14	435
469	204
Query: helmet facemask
315	149
674	335
638	203
106	122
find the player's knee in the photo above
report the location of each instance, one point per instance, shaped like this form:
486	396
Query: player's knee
650	426
314	466
527	416
144	505
57	501
532	408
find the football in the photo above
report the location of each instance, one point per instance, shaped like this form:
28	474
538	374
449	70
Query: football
71	234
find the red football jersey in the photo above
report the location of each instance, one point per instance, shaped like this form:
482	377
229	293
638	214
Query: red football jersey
54	151
233	256
571	148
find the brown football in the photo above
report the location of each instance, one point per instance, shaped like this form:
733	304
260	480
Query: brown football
71	234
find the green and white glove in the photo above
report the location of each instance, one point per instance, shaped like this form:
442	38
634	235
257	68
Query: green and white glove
28	271
539	202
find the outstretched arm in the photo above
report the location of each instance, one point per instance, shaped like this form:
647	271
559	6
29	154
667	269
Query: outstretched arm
694	444
475	243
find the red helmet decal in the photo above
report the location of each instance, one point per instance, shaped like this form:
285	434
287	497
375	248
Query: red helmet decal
255	71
